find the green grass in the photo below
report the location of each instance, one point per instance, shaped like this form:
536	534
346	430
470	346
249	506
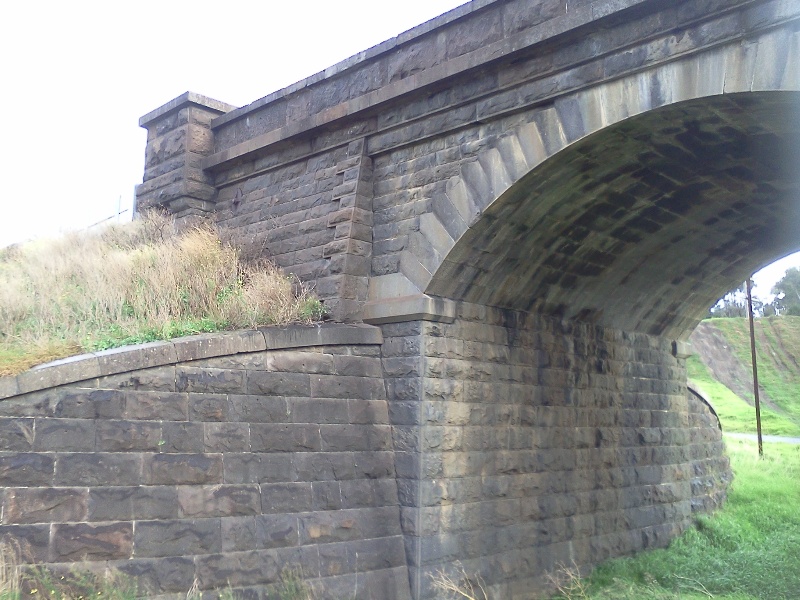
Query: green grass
778	354
735	414
750	550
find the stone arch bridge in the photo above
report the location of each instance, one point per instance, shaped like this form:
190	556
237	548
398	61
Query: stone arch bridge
536	201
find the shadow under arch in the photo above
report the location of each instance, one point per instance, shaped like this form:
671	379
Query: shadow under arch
643	224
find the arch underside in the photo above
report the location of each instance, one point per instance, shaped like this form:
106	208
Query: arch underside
644	224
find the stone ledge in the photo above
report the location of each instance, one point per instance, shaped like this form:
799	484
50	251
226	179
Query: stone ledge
185	99
209	345
420	307
681	349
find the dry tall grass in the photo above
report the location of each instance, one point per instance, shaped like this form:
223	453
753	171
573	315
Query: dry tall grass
459	585
9	570
133	283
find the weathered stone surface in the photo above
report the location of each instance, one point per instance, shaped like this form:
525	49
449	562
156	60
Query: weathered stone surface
177	538
276	531
192	379
156	379
98	469
84	541
569	458
182	437
44	505
227	437
182	469
258	409
21	469
219	501
16	434
66	435
286	497
486	434
257	467
278	384
239	568
165	574
127	436
33	539
285	437
133	503
154	406
238	533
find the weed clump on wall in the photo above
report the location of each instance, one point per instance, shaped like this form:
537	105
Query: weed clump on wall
134	283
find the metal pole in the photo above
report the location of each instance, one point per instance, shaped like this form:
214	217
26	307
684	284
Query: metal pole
755	366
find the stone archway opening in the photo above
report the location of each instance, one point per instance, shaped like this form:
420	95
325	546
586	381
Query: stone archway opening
642	225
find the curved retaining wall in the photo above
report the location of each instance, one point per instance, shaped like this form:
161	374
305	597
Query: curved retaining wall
220	458
369	458
711	467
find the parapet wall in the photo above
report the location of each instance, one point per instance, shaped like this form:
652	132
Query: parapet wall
220	459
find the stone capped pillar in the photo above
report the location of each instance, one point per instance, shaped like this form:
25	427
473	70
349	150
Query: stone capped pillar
179	136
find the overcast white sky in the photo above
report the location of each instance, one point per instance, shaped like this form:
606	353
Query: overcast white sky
76	77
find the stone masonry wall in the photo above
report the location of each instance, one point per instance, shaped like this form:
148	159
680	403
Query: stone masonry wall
509	443
523	443
220	459
711	466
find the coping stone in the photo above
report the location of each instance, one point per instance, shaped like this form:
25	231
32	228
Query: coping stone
209	345
420	307
141	356
182	101
298	336
74	368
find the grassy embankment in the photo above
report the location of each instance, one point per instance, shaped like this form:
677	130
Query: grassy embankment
735	414
750	550
131	284
778	352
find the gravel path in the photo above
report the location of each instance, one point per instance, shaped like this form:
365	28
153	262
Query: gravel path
766	438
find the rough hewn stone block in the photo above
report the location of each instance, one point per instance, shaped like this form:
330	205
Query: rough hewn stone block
278	384
132	503
84	541
16	434
182	469
219	501
177	538
286	497
161	575
227	437
128	436
65	435
284	438
258	468
94	469
44	505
